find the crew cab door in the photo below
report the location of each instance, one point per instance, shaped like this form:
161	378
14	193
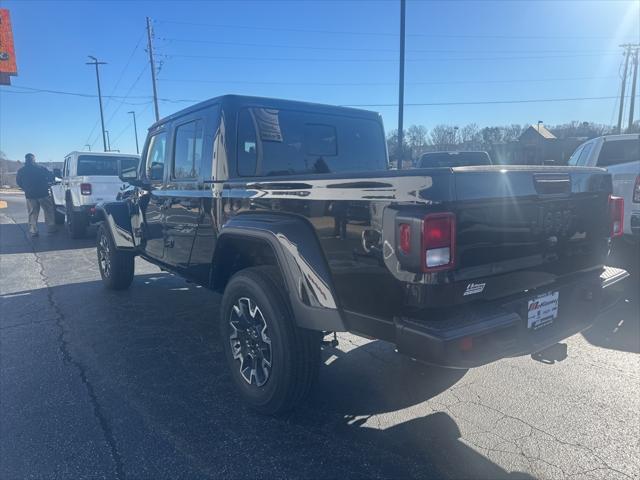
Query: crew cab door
154	203
184	193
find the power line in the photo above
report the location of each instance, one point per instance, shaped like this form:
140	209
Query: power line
354	49
482	102
30	90
376	60
135	82
133	52
378	33
359	84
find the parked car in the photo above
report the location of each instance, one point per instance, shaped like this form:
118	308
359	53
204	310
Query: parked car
288	210
87	178
620	155
454	159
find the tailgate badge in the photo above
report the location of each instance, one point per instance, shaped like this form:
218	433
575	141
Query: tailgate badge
474	288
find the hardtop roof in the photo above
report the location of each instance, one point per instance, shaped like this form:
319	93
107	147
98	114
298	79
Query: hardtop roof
102	154
238	101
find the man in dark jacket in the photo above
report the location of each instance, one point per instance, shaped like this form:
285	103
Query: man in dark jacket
34	181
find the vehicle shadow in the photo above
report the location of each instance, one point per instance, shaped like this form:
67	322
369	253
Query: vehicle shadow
153	357
12	236
619	328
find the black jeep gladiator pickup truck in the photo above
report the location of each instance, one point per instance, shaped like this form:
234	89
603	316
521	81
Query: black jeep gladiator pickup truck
290	211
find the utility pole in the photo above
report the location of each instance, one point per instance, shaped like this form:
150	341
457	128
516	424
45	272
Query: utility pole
153	68
95	62
401	88
633	88
627	54
108	141
135	130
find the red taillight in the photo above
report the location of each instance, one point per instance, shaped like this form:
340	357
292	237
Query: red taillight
616	212
405	238
85	188
438	241
636	191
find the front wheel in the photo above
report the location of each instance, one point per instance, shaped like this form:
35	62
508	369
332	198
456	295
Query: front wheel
273	362
116	267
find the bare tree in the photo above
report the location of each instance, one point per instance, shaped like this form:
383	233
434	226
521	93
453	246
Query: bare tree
442	136
470	135
416	141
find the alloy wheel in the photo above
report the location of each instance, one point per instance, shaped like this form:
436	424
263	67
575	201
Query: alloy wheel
104	256
250	342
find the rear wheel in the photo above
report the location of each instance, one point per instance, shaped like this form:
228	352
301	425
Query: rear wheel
116	267
76	222
273	362
59	216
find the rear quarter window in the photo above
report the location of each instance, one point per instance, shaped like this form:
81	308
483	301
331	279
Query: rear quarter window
614	152
275	142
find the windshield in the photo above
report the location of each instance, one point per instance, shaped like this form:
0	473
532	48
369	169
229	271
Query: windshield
104	165
454	159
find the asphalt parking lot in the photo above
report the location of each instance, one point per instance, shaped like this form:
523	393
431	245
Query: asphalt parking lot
100	384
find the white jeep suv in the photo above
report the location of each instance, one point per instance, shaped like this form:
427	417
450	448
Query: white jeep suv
86	179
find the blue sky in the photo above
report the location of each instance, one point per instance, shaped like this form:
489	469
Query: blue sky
334	52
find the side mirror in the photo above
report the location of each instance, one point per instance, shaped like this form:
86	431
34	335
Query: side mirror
130	176
57	173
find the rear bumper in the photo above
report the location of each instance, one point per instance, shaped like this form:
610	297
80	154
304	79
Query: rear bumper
480	334
90	210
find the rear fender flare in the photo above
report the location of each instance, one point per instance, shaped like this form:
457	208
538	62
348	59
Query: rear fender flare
300	260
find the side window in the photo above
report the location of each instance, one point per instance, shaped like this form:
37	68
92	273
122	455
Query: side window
156	155
573	160
187	155
584	156
614	152
247	144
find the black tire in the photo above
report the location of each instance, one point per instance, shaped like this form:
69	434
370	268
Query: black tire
116	267
76	222
293	352
59	216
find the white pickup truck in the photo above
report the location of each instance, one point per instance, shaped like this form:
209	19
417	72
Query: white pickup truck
86	179
620	155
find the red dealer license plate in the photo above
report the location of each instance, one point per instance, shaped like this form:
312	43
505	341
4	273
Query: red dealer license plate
542	310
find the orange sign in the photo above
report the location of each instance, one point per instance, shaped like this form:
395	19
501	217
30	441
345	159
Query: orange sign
8	65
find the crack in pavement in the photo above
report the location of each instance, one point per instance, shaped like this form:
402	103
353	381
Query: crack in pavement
63	346
532	429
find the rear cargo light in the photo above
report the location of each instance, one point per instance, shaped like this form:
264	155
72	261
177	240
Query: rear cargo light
636	190
438	241
405	238
616	211
85	188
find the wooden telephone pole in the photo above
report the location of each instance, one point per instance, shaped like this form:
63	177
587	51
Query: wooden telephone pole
629	50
